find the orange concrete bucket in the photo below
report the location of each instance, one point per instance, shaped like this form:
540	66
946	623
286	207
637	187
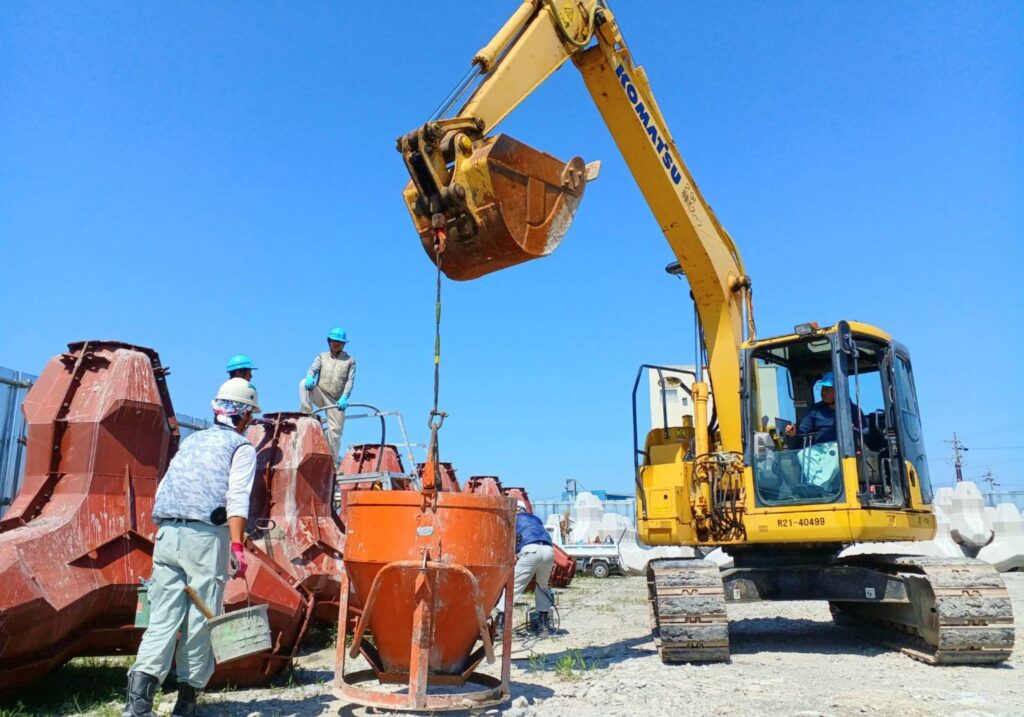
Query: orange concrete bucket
428	568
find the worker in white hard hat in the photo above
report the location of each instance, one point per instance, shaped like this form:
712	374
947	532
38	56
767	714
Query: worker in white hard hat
534	559
200	510
329	383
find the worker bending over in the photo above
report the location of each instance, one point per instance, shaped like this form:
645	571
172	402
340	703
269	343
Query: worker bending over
329	382
200	509
534	558
240	366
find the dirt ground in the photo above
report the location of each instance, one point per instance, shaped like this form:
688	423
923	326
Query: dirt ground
787	659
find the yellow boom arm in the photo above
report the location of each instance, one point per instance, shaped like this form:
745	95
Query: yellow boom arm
488	202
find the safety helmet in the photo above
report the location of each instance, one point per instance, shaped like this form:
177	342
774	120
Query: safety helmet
827	381
521	505
238	362
238	390
337	334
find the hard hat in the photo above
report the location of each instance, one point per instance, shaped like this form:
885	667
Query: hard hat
337	334
239	361
522	506
238	390
827	381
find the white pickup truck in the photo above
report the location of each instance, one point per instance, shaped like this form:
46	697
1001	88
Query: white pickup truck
597	559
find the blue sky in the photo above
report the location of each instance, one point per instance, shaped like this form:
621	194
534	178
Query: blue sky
209	179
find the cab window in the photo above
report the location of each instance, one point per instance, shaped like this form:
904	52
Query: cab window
794	429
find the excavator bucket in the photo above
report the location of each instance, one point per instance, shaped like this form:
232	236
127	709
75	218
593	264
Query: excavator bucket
507	203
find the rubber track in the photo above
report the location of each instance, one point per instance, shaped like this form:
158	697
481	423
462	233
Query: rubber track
962	612
688	617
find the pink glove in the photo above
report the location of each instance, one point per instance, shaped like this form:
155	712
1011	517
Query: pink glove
238	564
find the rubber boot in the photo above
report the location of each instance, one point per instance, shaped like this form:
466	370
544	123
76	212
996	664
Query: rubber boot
499	624
546	627
185	706
141	692
533	627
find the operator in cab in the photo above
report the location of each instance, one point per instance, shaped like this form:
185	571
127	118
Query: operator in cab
819	424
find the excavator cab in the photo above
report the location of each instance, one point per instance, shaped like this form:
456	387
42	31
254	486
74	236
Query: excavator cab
827	403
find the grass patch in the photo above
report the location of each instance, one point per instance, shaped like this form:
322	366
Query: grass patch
537	663
571	666
85	684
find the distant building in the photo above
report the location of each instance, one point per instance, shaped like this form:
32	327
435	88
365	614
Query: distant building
675	389
671	394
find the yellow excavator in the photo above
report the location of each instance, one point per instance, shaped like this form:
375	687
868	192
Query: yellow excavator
782	481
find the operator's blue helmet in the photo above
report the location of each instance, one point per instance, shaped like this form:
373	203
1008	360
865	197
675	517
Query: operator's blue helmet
337	334
239	361
827	381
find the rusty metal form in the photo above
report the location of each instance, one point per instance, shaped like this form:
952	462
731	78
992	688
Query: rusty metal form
448	482
375	461
293	546
289	609
503	202
428	567
484	485
76	540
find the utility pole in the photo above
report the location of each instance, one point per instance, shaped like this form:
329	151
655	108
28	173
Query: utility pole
958	456
991	480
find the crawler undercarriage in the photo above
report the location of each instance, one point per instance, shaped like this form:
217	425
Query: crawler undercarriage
943	611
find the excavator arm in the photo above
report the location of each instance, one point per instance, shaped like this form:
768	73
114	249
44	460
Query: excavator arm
483	201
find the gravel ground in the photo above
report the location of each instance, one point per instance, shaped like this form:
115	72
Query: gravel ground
787	659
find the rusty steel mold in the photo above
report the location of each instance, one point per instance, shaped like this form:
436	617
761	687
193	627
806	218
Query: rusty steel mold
291	517
78	537
428	568
76	540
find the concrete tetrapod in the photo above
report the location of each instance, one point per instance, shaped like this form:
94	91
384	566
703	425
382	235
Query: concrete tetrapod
1006	551
967	522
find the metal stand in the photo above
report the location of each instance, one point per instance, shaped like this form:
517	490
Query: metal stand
419	676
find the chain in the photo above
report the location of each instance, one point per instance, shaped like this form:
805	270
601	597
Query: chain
437	416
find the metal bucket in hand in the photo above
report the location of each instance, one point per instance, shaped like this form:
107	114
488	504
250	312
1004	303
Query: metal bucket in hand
240	633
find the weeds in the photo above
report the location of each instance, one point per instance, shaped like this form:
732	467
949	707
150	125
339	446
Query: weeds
85	684
569	666
538	663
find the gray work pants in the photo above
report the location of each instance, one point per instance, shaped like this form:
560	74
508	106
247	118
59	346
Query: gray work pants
534	561
335	417
186	554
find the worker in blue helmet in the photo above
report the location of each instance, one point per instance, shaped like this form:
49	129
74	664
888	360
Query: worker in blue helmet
819	423
240	366
329	383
